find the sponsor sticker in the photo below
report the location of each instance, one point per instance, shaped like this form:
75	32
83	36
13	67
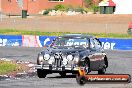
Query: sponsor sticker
83	77
108	78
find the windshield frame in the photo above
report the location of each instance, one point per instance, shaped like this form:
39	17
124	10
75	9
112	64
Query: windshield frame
53	44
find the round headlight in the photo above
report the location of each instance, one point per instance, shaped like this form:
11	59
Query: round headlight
46	57
76	59
69	57
51	60
65	61
40	57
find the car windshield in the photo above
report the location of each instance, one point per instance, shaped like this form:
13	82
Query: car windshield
71	42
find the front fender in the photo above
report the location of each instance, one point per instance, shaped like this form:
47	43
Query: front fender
83	55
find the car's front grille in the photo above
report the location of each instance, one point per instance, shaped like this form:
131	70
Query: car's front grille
58	62
58	59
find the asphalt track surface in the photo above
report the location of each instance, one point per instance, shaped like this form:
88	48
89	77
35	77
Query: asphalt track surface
119	62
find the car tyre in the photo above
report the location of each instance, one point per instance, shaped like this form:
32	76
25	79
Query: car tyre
106	62
101	71
81	80
41	73
129	79
62	74
87	65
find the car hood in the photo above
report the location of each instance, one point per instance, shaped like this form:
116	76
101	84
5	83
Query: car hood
63	50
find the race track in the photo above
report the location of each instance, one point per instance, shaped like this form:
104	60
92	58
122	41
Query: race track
119	62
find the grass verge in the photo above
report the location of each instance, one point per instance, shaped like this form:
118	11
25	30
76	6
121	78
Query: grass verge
24	32
10	67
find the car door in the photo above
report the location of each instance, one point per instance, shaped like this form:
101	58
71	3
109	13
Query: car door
96	50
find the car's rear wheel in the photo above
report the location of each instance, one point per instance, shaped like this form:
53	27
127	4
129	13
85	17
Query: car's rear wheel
41	73
101	71
106	61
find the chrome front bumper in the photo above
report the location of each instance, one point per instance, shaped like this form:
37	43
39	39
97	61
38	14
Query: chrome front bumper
54	68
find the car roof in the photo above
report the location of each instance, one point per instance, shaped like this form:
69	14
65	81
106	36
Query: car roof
76	36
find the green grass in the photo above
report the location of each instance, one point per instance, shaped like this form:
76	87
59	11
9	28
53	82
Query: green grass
7	67
111	35
24	32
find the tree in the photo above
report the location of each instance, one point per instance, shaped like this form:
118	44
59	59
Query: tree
90	3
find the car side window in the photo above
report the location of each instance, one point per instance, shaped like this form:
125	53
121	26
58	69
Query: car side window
94	43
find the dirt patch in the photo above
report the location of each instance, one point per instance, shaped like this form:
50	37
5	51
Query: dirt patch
95	23
23	70
11	68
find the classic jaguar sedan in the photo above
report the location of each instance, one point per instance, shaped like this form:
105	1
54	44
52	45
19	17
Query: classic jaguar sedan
69	52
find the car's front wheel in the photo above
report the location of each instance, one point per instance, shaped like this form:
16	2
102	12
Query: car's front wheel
81	80
63	74
41	73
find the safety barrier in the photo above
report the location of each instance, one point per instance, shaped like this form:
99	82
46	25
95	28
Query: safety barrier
41	41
